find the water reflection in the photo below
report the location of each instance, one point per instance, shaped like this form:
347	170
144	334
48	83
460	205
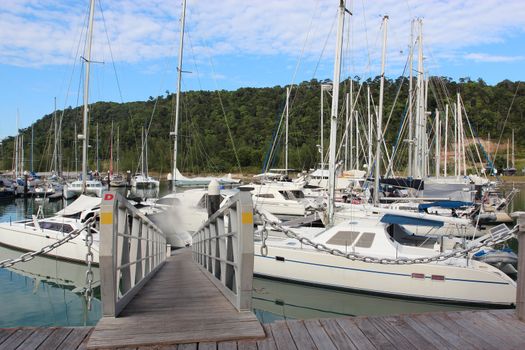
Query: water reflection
45	292
275	300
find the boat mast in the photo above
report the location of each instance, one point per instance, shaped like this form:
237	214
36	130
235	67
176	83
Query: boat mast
438	144
351	124
32	142
111	152
410	103
369	127
76	147
286	132
98	161
446	142
513	159
142	151
334	112
54	167
87	59
356	139
346	131
380	115
177	99
17	144
118	144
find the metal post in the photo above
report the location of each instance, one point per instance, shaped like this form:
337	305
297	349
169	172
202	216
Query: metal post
520	290
107	256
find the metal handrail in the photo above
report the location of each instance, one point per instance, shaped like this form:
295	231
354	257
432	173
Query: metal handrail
132	249
223	249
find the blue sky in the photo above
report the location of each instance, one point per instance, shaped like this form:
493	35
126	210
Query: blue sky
235	43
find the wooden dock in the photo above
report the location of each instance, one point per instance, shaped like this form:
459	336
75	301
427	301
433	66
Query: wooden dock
494	329
178	305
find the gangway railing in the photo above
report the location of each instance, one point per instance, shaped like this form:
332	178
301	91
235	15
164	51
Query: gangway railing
223	249
132	249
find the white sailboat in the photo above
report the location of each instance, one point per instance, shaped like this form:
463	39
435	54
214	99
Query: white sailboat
142	180
85	185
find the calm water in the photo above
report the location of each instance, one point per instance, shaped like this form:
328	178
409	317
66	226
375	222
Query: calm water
48	292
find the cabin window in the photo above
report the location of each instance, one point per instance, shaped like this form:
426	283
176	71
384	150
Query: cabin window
285	194
265	195
343	238
55	226
366	240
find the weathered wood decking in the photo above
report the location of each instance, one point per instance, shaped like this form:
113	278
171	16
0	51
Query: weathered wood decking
495	329
178	305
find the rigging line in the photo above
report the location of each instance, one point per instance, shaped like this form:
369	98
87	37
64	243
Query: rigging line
223	109
505	123
472	133
369	65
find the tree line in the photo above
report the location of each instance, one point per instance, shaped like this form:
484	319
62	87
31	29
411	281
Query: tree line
221	131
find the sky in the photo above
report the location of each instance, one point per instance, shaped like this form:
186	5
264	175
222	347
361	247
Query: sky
230	44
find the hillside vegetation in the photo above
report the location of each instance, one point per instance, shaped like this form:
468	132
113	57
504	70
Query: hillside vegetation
211	120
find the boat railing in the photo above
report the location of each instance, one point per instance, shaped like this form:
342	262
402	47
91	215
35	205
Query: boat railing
132	249
223	249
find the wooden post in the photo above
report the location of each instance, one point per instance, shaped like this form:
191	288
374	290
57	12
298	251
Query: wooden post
520	291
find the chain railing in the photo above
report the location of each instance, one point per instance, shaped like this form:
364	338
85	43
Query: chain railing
48	248
132	249
223	248
498	234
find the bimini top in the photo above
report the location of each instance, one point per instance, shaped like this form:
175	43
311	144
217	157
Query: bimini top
444	204
408	220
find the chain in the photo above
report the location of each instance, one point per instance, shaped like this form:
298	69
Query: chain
499	236
88	293
31	255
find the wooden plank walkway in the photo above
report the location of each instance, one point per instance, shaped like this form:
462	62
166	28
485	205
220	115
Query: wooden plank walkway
178	305
493	329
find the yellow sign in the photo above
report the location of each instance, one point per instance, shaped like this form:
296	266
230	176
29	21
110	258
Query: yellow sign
106	218
247	217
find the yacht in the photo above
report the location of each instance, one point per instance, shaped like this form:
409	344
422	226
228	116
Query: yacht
454	280
144	181
93	187
35	233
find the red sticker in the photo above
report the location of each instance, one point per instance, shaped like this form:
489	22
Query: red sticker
108	196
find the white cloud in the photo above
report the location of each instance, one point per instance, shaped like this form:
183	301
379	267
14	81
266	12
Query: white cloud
483	57
43	32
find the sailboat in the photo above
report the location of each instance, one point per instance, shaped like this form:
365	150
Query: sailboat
368	248
142	180
85	185
511	167
115	178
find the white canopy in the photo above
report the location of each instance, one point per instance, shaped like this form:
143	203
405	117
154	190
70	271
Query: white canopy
79	205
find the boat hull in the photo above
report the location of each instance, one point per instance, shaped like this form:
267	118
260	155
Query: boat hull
473	284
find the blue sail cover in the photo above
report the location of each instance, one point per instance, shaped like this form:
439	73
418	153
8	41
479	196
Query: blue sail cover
407	220
444	204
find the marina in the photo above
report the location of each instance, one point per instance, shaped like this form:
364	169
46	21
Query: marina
353	210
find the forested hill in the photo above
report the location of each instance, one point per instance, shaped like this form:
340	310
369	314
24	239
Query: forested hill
211	120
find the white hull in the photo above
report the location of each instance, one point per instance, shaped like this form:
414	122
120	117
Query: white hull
477	283
26	238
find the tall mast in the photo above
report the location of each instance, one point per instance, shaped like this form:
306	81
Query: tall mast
17	145
286	136
356	139
380	115
446	142
32	142
369	127
508	156
347	110
351	123
87	58
111	151
118	144
334	111
513	159
177	99
54	167
438	144
75	150
142	151
410	103
98	161
420	112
